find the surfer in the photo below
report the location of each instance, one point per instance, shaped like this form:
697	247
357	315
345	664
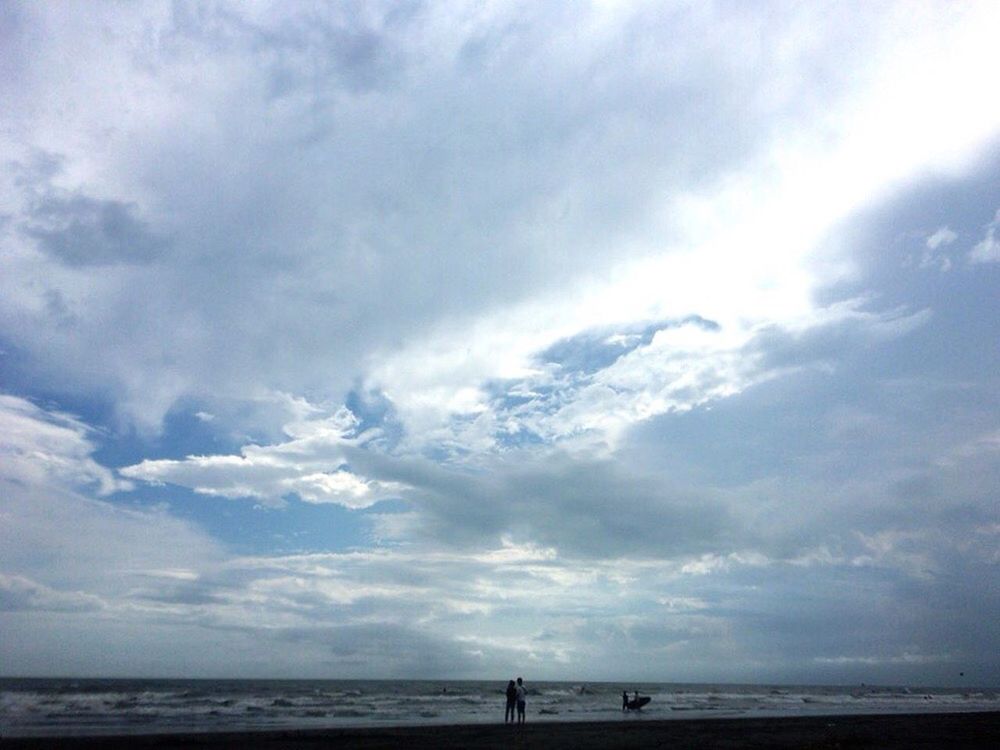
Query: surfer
508	714
522	696
636	703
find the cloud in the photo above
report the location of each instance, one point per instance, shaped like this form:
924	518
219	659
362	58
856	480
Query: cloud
943	236
612	305
931	257
82	231
397	651
18	593
312	466
39	447
254	476
593	564
987	250
582	508
904	658
466	164
91	545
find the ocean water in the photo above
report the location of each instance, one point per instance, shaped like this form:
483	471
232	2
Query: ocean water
39	707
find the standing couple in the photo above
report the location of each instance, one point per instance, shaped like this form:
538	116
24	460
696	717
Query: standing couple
516	695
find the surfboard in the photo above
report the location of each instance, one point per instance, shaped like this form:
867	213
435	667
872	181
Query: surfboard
635	705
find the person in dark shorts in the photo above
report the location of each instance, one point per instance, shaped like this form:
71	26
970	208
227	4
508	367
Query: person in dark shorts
508	714
522	697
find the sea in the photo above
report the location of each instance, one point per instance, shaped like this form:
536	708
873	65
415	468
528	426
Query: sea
67	707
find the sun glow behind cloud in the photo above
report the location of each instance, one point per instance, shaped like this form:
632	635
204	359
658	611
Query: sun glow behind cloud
745	256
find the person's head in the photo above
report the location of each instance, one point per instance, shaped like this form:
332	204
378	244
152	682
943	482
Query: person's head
518	680
510	684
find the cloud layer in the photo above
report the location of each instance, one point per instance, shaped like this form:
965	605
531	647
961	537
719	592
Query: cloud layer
632	338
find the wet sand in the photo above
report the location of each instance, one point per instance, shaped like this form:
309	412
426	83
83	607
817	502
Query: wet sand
953	731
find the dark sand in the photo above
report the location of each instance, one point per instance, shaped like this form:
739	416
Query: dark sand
937	731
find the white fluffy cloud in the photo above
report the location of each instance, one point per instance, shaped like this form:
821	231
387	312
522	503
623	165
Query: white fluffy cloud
39	447
311	465
943	236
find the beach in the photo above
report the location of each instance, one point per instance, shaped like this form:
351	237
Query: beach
886	732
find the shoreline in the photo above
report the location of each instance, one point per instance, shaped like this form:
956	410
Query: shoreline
954	730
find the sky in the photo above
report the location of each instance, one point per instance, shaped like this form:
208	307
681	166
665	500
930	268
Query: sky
584	341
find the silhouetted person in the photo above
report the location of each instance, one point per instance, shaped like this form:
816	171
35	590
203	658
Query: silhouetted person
508	714
522	697
624	701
